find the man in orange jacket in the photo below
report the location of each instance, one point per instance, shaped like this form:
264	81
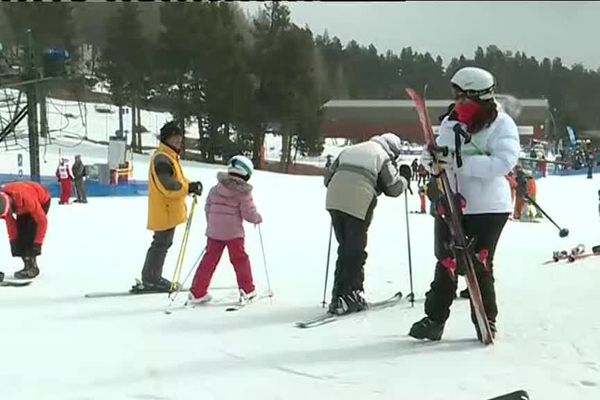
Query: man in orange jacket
24	205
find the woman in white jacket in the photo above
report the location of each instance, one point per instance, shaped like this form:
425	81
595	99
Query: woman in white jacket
492	152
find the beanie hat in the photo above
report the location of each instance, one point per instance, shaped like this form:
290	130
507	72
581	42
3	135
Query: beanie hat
169	129
241	167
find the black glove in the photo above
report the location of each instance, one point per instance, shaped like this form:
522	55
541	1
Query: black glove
36	250
406	172
195	187
14	249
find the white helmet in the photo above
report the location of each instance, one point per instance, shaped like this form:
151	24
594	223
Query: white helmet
475	83
240	166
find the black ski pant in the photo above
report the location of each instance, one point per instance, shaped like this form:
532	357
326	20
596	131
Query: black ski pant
351	234
485	229
26	232
155	258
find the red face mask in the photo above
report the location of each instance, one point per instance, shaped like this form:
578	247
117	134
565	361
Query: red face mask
466	111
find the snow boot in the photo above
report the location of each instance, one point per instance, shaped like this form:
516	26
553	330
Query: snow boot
427	328
348	303
30	270
193	300
247	297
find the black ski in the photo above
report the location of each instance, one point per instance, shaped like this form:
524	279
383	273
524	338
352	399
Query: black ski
518	395
328	318
10	283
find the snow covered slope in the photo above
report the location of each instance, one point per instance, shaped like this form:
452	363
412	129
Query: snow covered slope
60	345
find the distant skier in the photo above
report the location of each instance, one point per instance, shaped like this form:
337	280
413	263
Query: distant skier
228	204
543	166
423	199
167	190
491	154
521	178
24	205
79	175
423	175
415	169
65	178
359	174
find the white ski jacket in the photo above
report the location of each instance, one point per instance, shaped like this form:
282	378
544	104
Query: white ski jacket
487	159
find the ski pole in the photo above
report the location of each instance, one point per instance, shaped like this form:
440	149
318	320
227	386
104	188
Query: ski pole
562	232
410	274
327	265
262	247
172	298
181	256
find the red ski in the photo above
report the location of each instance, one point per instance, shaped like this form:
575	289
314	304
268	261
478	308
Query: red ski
450	211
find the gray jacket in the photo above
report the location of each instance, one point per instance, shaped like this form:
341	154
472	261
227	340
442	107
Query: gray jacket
360	174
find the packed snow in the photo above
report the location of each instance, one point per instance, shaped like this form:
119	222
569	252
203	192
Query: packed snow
60	345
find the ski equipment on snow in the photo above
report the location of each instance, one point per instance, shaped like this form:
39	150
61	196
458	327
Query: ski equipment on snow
328	318
181	256
243	303
562	232
10	283
518	395
130	293
449	209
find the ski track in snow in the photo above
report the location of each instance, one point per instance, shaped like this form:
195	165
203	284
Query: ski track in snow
127	348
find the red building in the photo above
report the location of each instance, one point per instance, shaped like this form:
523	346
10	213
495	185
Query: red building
361	119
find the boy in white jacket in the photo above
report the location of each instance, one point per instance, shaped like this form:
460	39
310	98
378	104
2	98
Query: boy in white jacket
492	152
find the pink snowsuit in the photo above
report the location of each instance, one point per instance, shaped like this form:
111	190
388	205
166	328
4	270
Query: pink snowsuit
228	204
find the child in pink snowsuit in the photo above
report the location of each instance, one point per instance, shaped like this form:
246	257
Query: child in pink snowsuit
228	204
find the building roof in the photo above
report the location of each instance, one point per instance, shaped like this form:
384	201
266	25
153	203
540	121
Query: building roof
363	118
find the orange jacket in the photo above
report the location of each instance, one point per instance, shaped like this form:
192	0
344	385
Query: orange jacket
27	198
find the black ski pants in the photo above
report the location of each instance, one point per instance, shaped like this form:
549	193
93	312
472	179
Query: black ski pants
485	229
155	258
351	234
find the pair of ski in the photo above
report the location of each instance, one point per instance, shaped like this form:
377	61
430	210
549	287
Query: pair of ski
230	306
328	318
449	209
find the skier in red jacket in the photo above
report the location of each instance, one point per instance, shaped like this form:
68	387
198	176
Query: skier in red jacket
65	178
24	205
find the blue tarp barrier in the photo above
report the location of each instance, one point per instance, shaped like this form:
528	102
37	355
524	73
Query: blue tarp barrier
93	188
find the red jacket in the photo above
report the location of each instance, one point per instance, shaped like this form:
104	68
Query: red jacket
27	198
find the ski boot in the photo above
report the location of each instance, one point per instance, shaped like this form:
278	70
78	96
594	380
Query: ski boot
348	303
247	297
575	252
194	301
162	286
427	328
30	270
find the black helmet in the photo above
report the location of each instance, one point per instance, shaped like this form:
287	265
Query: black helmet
170	129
